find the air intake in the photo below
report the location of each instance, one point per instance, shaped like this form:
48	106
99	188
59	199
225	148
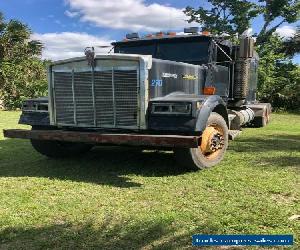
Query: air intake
241	83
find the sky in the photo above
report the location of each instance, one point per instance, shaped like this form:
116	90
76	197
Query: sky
66	27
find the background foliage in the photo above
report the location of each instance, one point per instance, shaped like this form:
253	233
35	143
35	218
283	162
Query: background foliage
22	73
279	78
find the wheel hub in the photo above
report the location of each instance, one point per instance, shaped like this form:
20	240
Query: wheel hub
212	140
217	142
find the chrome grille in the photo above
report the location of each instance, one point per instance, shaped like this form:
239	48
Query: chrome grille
64	104
126	92
106	98
84	104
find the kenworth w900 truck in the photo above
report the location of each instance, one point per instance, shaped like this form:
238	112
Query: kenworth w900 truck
191	93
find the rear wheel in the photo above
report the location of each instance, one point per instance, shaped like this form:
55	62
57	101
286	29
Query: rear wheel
60	149
214	142
263	120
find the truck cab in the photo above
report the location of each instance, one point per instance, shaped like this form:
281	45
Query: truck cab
159	90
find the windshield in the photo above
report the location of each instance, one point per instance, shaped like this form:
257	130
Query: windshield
189	52
140	50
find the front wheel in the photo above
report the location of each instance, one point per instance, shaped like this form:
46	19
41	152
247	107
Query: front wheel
214	142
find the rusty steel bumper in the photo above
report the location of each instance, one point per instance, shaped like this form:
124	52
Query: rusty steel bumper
174	141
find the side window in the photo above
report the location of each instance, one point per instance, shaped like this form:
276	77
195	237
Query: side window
221	56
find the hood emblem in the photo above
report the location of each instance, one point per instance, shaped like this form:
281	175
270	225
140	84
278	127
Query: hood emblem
90	56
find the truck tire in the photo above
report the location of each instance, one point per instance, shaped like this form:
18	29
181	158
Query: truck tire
263	120
213	146
59	149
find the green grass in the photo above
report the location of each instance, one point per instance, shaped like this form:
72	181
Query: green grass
120	198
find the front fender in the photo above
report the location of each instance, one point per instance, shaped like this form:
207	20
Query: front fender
210	104
196	123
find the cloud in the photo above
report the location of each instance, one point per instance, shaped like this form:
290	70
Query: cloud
133	15
71	14
286	31
68	44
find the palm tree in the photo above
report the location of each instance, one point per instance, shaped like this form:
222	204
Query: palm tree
22	73
15	41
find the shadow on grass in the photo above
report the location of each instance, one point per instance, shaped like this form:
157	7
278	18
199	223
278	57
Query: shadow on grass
112	165
282	161
285	143
281	143
154	234
103	165
83	236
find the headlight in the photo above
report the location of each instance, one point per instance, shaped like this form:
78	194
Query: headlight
181	108
171	108
33	106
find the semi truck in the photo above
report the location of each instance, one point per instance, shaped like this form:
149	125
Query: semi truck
190	93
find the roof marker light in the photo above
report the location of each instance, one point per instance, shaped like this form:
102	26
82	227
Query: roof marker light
159	34
171	33
191	30
206	33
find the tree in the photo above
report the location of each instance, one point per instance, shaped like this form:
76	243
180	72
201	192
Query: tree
22	73
235	16
292	45
286	10
278	77
224	16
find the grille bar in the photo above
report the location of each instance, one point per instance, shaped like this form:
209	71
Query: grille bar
104	98
114	97
94	98
74	100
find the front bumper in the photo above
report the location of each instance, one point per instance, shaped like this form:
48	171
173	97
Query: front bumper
175	124
173	141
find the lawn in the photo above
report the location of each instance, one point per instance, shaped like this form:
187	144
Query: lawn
121	198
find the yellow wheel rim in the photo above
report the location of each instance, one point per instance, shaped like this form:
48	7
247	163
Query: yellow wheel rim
212	141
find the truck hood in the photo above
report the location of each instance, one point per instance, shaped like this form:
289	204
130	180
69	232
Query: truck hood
144	58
